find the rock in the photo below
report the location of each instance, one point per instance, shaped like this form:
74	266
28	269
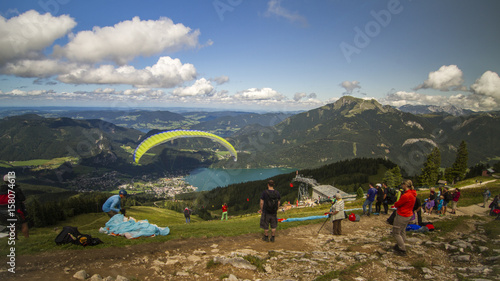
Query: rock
67	270
232	278
495	258
193	258
121	278
199	252
236	262
426	270
96	277
483	249
268	269
172	262
182	273
109	278
81	275
461	258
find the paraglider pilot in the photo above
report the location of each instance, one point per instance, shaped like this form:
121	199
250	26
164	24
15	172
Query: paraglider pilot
112	206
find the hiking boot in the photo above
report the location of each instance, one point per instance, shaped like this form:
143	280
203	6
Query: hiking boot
265	238
398	251
401	253
272	239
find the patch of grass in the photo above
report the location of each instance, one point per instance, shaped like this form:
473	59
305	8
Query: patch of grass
450	226
259	263
224	276
347	274
211	264
419	264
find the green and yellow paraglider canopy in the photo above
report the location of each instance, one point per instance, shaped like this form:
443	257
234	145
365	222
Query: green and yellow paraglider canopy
163	137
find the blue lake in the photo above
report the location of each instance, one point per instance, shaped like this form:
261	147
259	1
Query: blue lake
207	179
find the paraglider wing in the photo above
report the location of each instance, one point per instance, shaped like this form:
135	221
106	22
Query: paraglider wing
162	137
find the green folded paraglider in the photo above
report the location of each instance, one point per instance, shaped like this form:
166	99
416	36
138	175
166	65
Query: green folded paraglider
163	137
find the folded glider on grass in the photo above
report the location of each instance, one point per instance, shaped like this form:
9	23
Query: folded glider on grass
163	137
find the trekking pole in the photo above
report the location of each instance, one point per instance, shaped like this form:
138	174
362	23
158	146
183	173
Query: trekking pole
323	224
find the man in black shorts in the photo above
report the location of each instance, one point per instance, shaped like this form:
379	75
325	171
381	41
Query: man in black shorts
269	203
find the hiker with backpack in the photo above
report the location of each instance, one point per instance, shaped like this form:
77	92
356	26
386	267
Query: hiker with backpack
187	214
386	198
446	200
269	203
112	206
404	212
380	198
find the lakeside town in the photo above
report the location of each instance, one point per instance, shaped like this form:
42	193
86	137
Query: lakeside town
161	188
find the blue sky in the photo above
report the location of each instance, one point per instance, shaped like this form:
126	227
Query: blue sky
275	55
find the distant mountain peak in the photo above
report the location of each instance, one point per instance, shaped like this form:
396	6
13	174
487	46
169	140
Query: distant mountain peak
429	109
350	106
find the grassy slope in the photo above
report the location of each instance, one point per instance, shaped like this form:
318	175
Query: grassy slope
42	239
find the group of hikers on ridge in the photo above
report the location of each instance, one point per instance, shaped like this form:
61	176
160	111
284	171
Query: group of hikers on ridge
403	201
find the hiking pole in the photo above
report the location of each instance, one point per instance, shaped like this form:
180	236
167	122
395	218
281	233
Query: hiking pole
323	224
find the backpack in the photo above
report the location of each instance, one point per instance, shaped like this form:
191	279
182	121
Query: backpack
271	205
391	195
71	235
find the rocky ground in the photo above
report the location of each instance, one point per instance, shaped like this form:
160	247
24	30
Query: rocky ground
363	252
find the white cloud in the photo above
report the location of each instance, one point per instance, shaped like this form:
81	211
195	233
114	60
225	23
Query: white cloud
488	84
447	77
350	86
274	8
37	68
166	73
201	87
305	97
259	94
128	39
472	101
21	93
26	35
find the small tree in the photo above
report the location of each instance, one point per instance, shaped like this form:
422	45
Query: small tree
459	168
430	171
360	193
389	178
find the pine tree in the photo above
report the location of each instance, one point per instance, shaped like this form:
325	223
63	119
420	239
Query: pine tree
459	168
360	193
389	178
398	178
430	171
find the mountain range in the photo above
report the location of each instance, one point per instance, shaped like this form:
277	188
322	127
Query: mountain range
349	128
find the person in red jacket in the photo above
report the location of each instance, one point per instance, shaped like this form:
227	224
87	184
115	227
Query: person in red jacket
224	212
404	212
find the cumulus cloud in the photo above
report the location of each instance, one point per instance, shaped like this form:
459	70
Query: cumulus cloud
26	35
488	84
303	96
201	87
350	86
274	8
259	94
166	73
444	79
470	101
37	68
128	39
